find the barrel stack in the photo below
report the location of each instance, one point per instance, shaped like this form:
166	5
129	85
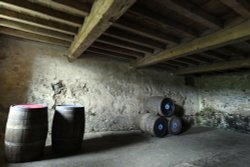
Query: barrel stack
161	117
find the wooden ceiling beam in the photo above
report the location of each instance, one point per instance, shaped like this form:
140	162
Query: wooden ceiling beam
244	63
218	39
164	22
40	11
231	52
35	21
123	44
190	61
191	11
181	64
213	55
242	7
164	66
116	49
134	38
35	30
105	52
171	65
185	61
34	37
75	8
103	14
106	55
199	59
146	31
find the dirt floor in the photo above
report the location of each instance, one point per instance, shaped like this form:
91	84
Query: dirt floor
198	147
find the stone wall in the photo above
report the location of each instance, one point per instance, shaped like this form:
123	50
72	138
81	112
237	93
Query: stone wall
111	93
224	101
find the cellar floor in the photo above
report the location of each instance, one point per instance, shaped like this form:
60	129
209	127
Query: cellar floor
197	147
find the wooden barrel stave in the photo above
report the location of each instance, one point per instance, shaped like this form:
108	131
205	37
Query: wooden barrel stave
150	123
174	125
26	132
159	105
68	128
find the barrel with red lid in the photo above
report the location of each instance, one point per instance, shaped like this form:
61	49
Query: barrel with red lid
26	132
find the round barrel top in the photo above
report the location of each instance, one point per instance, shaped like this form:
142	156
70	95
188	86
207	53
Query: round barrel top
33	106
70	105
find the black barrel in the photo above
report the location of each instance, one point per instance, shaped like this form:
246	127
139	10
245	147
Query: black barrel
68	128
174	125
26	132
159	104
151	124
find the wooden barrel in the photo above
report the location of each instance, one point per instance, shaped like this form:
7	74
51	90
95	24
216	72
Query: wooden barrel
159	104
152	124
68	128
26	132
174	125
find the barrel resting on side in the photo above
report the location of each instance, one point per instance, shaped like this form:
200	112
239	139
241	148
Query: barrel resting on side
152	124
159	105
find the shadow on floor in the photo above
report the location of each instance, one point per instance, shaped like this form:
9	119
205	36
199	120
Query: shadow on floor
104	143
196	130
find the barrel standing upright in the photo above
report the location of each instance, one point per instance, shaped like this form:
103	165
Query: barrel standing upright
26	132
68	128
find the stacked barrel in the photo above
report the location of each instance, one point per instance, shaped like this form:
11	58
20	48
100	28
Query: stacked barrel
160	117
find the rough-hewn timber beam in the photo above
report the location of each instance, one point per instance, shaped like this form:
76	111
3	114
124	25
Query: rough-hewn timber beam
190	62
102	16
231	52
199	59
76	8
163	21
107	55
124	44
145	31
185	61
220	38
213	55
105	52
215	67
134	38
241	7
39	22
40	11
34	37
171	65
181	64
35	30
193	12
116	49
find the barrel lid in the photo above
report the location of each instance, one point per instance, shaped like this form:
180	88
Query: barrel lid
160	127
65	106
30	106
70	105
175	125
167	107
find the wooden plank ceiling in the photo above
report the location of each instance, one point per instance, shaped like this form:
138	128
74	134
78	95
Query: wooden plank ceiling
185	37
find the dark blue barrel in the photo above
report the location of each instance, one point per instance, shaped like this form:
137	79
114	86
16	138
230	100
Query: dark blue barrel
174	125
68	128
